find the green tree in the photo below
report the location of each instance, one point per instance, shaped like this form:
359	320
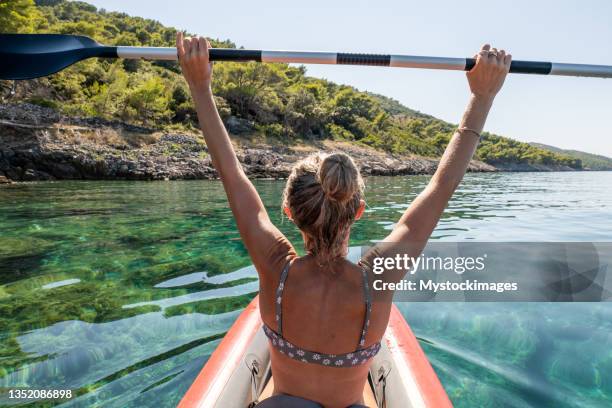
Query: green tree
18	16
149	101
304	115
80	28
354	111
252	89
110	99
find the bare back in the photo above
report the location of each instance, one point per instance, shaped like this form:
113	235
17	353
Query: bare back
322	310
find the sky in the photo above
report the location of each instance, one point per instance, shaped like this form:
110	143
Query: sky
571	113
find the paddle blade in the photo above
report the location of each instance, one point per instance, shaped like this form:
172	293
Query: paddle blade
27	56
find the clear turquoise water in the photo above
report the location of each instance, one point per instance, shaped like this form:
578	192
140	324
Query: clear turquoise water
121	290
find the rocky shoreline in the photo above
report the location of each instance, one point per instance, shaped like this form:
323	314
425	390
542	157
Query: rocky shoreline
39	143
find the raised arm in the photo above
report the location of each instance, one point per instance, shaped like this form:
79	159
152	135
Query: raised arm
266	244
485	80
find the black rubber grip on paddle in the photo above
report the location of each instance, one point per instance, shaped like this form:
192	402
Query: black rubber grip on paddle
519	67
103	52
363	59
223	54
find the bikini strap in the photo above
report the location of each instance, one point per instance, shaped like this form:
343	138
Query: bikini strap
279	297
368	307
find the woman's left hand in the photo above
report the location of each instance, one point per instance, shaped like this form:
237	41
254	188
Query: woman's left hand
195	64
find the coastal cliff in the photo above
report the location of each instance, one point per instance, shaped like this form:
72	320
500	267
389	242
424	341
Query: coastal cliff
38	143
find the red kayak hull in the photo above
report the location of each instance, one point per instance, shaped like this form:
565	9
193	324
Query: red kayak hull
413	382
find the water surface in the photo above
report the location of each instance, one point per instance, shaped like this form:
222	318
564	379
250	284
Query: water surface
121	290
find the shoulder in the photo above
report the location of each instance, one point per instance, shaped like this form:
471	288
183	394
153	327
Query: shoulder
271	263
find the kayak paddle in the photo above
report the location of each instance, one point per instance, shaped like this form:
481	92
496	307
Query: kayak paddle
26	56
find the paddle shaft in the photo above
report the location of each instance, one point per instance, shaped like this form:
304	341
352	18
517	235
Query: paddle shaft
401	61
26	56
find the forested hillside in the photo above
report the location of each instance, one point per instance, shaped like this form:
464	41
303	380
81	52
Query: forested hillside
275	100
589	161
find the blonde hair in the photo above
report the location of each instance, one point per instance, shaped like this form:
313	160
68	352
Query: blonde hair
324	193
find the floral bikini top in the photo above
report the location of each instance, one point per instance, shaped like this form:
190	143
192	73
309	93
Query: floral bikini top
355	358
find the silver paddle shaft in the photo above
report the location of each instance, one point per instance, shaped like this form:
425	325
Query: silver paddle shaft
400	61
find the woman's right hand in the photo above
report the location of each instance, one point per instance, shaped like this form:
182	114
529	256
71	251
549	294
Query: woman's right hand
489	73
194	61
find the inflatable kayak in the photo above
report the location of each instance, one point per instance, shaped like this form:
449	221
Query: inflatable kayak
238	372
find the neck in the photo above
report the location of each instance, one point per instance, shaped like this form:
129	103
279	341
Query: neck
345	242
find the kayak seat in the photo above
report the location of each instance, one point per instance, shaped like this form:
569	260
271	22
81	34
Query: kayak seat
266	395
288	401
